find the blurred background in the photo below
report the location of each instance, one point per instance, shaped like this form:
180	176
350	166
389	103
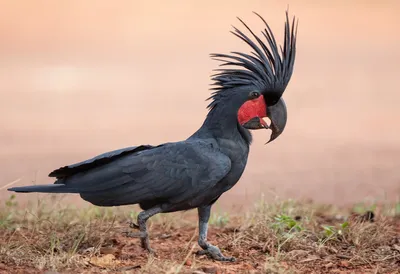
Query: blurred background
79	78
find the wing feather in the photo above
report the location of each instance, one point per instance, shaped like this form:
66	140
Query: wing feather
173	173
97	161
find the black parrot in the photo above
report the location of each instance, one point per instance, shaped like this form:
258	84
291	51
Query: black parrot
195	172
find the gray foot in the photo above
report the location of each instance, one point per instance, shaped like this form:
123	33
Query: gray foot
208	249
214	253
144	239
142	234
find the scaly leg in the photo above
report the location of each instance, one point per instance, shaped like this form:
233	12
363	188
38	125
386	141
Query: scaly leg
208	249
143	234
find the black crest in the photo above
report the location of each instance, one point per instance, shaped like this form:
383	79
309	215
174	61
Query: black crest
268	68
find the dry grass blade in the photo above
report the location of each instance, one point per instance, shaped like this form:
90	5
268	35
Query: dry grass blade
10	184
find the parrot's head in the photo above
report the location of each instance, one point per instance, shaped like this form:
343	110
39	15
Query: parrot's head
255	82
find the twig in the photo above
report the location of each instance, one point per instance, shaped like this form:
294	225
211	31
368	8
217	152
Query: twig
343	256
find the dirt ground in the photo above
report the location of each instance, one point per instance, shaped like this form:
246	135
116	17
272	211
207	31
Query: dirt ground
107	250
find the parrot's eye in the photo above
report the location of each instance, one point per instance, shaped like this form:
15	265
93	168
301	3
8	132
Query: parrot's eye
254	95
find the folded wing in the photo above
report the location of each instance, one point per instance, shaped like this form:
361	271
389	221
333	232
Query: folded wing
172	173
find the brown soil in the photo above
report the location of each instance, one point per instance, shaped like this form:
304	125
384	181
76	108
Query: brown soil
175	247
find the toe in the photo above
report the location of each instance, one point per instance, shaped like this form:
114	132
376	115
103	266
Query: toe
133	225
214	253
230	259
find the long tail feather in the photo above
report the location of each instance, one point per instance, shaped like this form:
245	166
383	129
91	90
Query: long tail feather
54	188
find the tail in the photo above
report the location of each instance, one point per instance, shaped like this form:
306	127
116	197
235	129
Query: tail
54	188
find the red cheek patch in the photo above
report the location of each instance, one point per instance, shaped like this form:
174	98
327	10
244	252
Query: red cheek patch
251	109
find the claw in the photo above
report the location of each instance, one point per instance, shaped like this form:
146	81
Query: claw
133	225
144	239
214	253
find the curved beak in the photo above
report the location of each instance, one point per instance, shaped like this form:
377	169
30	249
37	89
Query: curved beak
278	116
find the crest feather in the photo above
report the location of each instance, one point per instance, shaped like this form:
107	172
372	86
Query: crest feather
268	67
